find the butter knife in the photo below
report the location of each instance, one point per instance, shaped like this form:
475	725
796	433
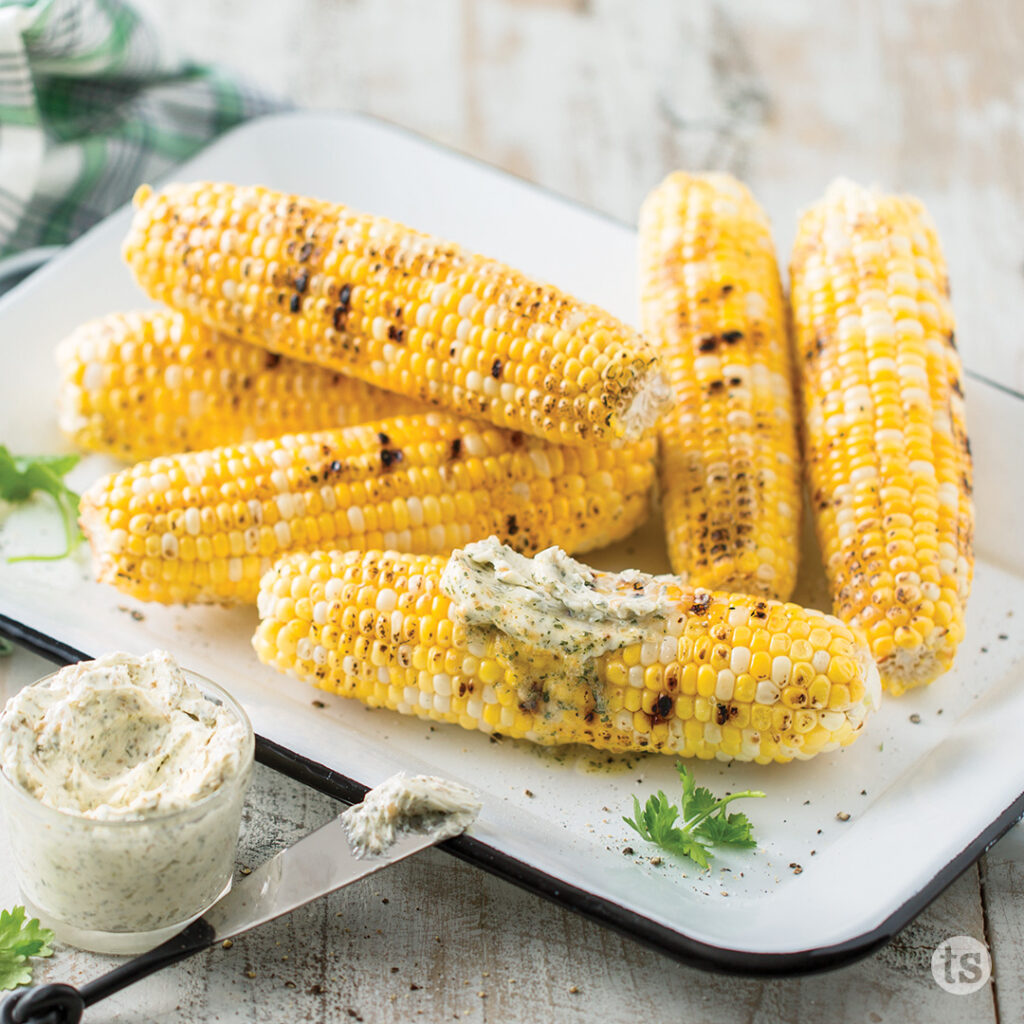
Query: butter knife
316	865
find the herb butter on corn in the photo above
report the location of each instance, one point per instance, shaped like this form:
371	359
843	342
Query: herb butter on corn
550	650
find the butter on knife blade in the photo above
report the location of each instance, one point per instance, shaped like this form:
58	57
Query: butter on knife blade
420	804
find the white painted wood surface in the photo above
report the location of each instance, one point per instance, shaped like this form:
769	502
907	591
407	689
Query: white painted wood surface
598	99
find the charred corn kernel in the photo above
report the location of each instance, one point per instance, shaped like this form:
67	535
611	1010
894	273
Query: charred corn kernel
803	670
740	715
139	385
887	455
395	308
563	676
794	696
712	306
483	479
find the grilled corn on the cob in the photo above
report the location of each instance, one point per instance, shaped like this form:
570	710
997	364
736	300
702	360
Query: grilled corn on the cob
138	385
396	308
712	306
552	651
204	526
888	459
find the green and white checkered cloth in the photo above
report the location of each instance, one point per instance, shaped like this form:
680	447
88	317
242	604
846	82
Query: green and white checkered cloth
91	104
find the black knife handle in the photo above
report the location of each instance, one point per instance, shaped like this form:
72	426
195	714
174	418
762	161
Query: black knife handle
43	1004
63	1004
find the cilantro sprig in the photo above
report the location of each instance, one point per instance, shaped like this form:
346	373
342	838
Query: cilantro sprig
699	823
21	475
20	939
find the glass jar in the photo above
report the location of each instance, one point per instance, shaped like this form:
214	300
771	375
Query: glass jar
126	885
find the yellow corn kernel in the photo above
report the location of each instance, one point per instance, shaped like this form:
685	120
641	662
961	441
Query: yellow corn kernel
616	673
761	665
707	678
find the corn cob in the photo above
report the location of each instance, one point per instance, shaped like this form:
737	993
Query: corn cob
204	526
138	385
888	459
396	308
551	651
712	306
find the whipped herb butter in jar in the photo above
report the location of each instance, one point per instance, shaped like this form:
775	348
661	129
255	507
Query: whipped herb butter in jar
122	782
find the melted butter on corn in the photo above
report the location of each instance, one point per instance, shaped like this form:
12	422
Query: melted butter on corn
554	652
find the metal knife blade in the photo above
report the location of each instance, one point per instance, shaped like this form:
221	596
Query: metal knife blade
314	866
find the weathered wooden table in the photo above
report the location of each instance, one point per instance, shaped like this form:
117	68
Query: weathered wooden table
598	99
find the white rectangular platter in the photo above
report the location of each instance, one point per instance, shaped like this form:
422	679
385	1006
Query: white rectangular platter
936	777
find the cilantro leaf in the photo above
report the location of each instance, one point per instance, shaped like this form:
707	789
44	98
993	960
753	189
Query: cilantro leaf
20	939
695	850
699	823
22	475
